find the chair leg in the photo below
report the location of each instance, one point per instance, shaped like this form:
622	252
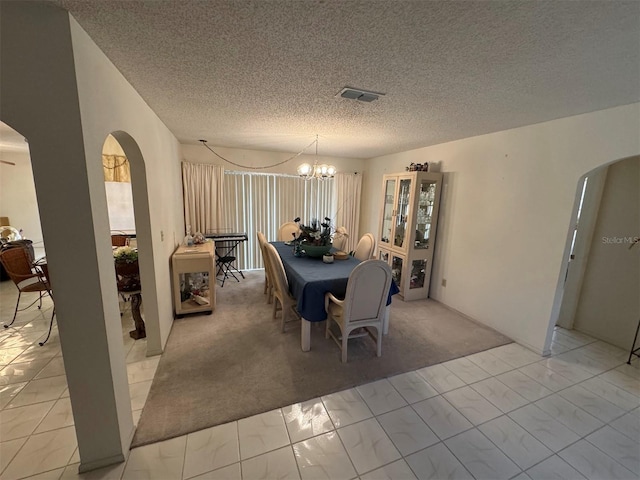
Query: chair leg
275	306
345	339
269	292
40	302
7	325
379	341
328	325
50	326
227	273
284	318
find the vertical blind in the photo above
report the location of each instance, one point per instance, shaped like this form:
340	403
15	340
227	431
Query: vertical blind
261	202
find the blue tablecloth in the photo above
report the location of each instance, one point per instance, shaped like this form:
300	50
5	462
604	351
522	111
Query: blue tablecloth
310	278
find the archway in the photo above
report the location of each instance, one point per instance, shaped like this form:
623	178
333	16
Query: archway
143	239
600	277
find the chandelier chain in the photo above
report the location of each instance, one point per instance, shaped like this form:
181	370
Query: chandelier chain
204	142
116	165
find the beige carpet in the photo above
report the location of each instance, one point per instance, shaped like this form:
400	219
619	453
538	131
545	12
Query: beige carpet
236	362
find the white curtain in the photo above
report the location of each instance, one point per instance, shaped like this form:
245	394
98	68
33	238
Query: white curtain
203	187
348	191
261	202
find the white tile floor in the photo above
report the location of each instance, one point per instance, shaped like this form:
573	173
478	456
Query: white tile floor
500	414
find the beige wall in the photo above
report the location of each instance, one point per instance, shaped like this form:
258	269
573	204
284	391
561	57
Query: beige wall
60	91
609	304
261	158
156	177
18	199
507	203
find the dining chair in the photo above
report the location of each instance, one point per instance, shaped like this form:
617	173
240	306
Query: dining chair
280	287
365	248
43	266
27	279
340	239
288	231
225	262
363	306
268	283
119	240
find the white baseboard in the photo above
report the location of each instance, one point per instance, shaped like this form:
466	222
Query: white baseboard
113	460
518	340
103	462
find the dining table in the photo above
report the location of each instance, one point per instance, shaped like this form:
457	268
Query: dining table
310	279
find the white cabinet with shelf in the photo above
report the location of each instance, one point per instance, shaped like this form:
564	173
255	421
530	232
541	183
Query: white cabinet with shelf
408	227
194	279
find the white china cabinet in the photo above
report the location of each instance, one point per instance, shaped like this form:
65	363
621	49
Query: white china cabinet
408	229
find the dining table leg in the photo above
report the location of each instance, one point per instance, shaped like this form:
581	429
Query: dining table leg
385	321
305	335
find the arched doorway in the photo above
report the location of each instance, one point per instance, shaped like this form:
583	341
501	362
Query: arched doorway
23	182
143	239
598	294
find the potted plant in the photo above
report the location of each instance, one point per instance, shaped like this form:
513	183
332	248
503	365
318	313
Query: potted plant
127	270
315	238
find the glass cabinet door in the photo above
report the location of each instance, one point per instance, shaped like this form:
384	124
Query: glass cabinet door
194	285
418	272
426	197
387	215
396	270
402	213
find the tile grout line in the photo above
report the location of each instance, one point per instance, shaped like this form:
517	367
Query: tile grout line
441	394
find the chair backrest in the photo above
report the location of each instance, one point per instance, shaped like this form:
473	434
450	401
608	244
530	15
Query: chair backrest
278	275
340	239
17	263
262	241
366	247
287	230
119	240
367	291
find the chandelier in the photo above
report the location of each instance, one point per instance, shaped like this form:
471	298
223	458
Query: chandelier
319	172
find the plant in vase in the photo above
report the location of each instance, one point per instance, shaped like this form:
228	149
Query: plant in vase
315	238
125	255
127	270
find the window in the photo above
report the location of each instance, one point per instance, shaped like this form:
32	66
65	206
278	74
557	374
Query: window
256	202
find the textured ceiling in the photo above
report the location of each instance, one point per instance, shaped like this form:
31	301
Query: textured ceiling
264	74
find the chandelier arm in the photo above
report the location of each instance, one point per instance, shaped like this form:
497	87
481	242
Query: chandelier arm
204	142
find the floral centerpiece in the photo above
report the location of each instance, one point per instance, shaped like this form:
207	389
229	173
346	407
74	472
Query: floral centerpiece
315	238
125	255
316	233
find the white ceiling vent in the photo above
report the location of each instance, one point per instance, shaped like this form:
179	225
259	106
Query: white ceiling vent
356	94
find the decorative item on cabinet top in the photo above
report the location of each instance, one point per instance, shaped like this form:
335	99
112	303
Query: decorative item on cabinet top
418	167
